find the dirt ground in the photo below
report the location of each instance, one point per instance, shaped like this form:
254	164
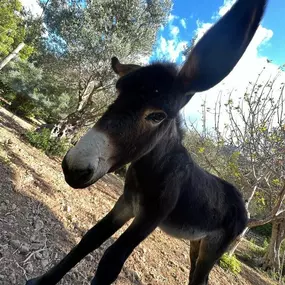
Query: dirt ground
42	218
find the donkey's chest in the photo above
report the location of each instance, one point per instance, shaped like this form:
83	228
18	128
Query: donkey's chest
183	227
182	230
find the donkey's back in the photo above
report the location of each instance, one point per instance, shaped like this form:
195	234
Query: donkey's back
207	204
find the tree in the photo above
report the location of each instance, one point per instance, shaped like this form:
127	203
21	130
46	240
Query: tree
82	38
13	32
27	89
249	151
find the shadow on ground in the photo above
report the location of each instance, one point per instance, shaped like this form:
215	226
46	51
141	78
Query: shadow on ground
32	239
8	121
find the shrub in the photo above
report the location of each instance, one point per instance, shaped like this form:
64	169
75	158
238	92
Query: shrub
23	106
43	141
256	249
230	263
264	230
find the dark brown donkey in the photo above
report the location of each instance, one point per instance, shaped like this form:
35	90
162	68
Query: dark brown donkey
164	187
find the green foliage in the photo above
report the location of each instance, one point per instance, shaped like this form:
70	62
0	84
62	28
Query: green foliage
265	243
82	39
12	28
23	106
34	93
255	249
230	263
43	141
264	230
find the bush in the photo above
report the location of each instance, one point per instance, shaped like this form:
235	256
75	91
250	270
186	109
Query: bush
43	141
264	230
230	263
23	106
256	249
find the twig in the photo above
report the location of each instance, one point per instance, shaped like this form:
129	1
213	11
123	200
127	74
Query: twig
33	253
24	271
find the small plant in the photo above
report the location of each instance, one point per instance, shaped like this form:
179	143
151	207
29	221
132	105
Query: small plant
43	141
257	250
230	263
265	244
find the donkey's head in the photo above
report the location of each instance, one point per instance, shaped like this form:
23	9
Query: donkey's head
149	98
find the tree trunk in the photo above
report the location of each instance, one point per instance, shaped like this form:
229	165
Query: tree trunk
272	257
13	54
67	128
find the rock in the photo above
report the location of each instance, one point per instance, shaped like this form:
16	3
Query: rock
15	243
44	263
45	254
3	206
14	207
38	255
89	257
2	277
24	249
29	268
39	224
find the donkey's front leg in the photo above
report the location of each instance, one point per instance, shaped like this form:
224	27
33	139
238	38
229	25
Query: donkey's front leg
115	256
118	216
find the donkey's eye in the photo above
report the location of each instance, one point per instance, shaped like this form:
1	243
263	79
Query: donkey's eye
156	117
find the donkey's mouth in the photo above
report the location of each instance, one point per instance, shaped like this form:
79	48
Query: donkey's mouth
81	178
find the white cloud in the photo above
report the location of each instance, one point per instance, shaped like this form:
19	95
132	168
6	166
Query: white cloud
202	28
33	6
246	70
174	49
174	31
223	9
163	45
172	17
183	23
170	49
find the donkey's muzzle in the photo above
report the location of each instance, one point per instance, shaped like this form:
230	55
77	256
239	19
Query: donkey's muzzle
76	177
88	160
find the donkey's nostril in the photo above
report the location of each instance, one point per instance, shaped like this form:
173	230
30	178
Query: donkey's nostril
85	175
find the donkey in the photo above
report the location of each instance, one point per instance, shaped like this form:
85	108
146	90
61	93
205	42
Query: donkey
164	187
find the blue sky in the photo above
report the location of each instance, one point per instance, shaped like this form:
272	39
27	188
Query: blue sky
187	13
190	17
185	16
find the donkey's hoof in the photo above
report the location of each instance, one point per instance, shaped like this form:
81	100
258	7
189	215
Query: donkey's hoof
32	282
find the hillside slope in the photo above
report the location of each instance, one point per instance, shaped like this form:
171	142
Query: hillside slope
42	218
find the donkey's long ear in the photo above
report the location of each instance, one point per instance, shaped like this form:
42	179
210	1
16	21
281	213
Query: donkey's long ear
122	69
219	50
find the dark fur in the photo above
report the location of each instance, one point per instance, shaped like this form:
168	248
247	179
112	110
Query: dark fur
164	187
